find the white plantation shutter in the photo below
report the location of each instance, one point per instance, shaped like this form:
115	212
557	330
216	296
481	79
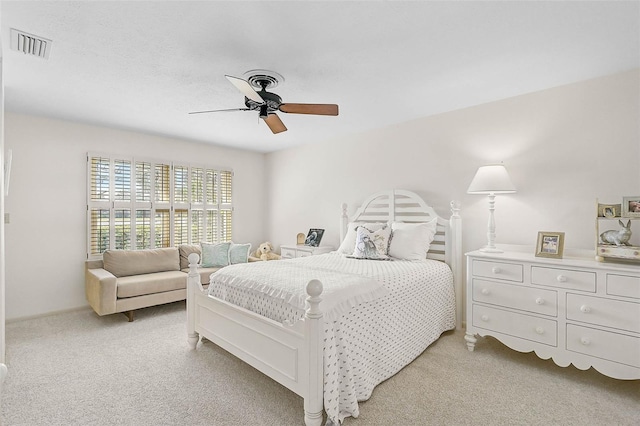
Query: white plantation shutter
180	227
99	231
99	206
197	225
122	180
139	204
225	187
162	183
213	230
225	225
122	230
225	206
162	228
143	181
180	184
197	185
100	177
143	229
211	187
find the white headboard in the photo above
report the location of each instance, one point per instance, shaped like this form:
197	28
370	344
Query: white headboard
397	205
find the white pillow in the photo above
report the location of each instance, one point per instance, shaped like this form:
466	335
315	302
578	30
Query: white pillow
349	242
411	241
372	244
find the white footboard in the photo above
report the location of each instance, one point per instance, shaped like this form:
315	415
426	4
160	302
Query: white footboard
291	355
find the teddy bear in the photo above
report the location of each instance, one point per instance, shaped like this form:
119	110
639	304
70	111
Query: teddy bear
265	252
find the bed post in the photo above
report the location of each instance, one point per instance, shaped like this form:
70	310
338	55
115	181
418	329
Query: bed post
313	400
455	240
344	222
193	286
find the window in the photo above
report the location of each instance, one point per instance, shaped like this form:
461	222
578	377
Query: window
137	204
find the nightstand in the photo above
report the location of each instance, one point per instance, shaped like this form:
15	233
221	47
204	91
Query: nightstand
292	251
574	310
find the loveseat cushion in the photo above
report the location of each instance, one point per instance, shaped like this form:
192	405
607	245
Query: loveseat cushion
185	251
124	263
158	282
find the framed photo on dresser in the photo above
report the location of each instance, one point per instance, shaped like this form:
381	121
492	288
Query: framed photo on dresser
550	244
609	210
631	206
314	237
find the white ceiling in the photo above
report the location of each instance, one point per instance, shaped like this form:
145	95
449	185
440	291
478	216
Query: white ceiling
144	65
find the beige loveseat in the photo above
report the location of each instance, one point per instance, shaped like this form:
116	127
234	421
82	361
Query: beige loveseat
125	280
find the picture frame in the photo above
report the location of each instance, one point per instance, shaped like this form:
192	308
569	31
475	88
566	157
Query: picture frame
550	244
314	237
631	206
609	210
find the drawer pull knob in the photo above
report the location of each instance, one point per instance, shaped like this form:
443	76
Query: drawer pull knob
485	317
539	330
485	291
585	309
561	279
496	270
585	341
540	301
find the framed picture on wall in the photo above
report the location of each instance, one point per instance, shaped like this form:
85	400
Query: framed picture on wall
631	206
609	210
314	237
550	244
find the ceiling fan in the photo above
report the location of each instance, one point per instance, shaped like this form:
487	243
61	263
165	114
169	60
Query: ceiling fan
267	103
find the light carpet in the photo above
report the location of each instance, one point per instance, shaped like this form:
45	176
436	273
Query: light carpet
80	369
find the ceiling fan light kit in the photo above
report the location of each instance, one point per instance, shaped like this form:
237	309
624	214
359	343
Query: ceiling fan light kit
267	103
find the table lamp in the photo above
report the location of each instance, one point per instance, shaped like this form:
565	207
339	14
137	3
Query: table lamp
492	179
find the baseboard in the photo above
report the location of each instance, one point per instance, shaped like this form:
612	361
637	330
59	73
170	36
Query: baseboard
47	314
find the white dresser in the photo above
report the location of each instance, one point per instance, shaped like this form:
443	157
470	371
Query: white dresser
573	310
290	252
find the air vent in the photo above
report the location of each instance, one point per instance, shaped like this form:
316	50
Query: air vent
30	44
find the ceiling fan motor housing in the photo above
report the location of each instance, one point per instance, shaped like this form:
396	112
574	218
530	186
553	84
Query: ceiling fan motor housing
271	100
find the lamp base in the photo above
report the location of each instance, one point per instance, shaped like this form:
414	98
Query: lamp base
491	250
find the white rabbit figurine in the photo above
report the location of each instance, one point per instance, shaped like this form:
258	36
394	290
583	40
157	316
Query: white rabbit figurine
619	237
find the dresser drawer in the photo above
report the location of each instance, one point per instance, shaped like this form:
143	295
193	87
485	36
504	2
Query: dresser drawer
515	296
304	253
497	270
287	253
527	327
623	285
602	344
564	278
606	312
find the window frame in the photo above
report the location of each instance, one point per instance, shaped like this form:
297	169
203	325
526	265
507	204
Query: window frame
210	232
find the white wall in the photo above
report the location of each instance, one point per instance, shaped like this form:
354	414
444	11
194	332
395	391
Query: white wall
45	253
563	147
2	243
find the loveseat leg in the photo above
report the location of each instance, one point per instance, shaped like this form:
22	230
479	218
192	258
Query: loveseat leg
129	315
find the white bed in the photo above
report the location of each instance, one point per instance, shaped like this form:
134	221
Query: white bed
335	356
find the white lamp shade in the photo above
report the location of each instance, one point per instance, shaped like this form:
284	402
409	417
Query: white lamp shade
492	179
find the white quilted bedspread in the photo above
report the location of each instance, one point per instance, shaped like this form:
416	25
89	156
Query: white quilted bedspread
371	341
286	281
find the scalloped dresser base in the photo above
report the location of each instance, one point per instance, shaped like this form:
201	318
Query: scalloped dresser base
573	311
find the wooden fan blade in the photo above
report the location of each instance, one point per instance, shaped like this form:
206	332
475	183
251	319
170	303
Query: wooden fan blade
275	124
220	110
316	109
245	88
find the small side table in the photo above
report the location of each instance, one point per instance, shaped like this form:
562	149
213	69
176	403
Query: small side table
293	251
